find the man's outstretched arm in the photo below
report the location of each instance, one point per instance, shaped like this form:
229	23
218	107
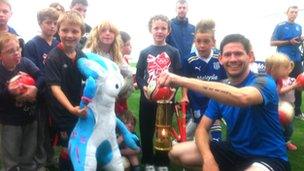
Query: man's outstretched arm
221	92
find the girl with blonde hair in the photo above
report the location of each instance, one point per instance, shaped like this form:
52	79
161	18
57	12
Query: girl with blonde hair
104	39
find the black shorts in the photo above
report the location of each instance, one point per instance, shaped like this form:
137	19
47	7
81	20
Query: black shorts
228	160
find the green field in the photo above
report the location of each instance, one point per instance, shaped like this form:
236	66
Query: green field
296	157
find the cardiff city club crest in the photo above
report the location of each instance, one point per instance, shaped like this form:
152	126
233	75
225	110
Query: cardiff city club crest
216	65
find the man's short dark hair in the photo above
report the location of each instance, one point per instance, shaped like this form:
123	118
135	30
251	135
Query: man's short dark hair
83	2
232	38
292	7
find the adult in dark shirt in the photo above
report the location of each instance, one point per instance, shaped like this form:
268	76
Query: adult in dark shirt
182	32
6	13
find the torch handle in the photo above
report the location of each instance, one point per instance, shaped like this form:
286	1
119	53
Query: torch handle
183	121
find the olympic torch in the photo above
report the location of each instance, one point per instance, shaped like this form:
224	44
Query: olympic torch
163	124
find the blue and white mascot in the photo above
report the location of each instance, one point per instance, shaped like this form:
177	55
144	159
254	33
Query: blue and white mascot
93	139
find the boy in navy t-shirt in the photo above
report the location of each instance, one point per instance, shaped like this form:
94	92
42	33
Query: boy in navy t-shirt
159	26
36	50
202	64
65	80
18	106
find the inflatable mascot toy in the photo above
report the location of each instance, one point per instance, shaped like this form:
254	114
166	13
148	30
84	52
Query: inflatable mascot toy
93	139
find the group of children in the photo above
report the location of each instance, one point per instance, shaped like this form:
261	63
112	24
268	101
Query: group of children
58	89
54	99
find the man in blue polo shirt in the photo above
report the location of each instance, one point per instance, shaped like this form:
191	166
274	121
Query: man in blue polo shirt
248	103
287	38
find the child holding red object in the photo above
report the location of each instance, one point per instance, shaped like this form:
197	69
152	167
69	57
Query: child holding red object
279	67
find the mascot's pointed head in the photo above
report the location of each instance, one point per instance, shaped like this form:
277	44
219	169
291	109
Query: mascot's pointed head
105	72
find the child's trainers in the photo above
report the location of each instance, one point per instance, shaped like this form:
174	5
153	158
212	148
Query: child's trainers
149	168
291	146
162	168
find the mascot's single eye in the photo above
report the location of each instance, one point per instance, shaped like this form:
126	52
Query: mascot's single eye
116	86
